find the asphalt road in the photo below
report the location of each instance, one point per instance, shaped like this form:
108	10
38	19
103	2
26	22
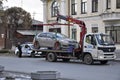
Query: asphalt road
74	70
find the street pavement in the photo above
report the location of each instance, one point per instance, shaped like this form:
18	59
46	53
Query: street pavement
33	64
73	70
117	55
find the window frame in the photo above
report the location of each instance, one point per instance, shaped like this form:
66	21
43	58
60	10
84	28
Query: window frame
94	6
73	7
74	33
108	4
83	7
54	9
94	29
118	4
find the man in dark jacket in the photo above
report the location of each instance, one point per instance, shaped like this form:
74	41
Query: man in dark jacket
20	49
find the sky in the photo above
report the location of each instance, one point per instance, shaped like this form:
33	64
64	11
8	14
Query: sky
34	7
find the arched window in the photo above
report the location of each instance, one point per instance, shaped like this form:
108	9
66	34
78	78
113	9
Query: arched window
54	8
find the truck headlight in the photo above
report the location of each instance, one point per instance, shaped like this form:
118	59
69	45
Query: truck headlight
100	54
101	57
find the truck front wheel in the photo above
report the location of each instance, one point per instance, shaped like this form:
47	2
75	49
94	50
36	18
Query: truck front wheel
88	59
51	57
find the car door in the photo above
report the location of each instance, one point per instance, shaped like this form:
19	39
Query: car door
50	40
42	39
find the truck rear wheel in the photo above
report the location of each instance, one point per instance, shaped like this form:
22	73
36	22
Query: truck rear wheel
88	59
104	62
51	57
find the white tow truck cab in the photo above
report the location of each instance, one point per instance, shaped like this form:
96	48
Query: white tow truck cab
98	46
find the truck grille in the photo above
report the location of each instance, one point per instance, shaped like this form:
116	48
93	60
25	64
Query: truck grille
107	49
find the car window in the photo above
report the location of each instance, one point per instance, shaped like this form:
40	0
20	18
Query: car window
49	35
60	36
42	35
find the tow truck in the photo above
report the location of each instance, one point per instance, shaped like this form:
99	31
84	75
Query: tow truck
92	46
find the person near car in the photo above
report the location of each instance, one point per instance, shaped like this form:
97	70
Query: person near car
20	49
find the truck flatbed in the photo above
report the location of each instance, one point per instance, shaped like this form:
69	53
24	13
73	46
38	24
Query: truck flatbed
54	51
57	54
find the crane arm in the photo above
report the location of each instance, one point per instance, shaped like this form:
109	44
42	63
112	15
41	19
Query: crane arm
75	21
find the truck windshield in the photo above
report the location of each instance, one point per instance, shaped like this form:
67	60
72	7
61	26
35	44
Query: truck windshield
104	39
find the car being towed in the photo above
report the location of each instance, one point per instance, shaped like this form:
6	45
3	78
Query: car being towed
54	40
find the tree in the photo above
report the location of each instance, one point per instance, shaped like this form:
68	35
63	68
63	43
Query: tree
17	18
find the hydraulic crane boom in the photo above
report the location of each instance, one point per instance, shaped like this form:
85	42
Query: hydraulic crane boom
75	21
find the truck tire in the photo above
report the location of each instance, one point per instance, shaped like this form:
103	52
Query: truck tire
51	57
104	62
88	59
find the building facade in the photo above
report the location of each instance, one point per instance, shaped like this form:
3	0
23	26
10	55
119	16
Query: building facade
99	16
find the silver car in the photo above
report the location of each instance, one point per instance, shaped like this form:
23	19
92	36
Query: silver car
54	40
27	50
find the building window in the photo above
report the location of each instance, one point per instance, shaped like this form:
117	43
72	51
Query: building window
73	7
94	29
83	6
118	3
74	32
108	3
114	31
94	5
58	30
54	8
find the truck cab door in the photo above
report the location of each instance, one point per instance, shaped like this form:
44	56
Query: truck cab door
90	45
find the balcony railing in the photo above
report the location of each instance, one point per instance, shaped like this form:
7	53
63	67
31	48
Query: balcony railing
110	16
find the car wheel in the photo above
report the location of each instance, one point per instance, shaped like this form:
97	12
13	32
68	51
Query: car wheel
36	45
88	59
57	46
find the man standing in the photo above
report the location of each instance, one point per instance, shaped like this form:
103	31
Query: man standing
20	49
